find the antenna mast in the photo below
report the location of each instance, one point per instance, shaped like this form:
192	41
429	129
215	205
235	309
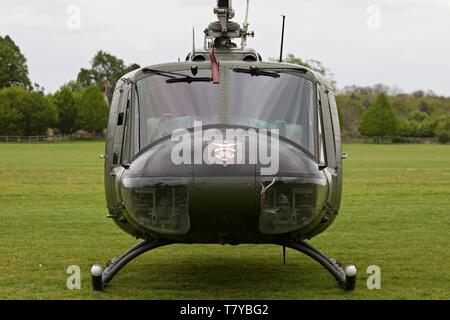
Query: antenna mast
193	41
245	25
282	38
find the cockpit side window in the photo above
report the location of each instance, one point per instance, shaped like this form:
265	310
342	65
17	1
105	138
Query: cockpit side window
327	120
117	128
321	131
127	141
336	128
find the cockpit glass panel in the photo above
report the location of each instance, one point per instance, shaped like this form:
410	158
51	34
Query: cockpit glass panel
285	103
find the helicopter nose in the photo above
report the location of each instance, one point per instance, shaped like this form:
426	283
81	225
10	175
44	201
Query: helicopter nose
168	196
222	199
175	199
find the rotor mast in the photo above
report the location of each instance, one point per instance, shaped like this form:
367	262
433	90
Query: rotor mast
220	34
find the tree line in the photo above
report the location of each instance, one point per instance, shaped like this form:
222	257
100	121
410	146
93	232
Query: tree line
378	112
82	104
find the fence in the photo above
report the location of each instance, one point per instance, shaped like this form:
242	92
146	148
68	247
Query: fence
41	139
391	140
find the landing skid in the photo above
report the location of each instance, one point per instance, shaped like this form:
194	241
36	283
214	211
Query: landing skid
346	277
101	278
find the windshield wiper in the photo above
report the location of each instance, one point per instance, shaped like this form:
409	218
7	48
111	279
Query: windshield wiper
177	77
189	79
254	72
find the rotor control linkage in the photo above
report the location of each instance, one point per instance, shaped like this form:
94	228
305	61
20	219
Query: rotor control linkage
101	278
345	276
224	13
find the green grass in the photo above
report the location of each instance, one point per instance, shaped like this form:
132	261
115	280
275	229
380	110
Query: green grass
396	214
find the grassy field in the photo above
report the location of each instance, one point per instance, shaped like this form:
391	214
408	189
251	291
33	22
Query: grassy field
396	214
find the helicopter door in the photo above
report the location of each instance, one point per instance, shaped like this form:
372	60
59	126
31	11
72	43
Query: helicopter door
114	144
331	140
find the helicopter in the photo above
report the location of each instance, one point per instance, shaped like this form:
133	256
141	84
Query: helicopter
224	148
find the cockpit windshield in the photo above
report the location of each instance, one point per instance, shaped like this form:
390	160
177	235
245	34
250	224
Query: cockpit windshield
265	101
166	106
259	98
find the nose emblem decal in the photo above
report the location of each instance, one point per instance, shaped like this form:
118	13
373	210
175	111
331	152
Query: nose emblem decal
225	153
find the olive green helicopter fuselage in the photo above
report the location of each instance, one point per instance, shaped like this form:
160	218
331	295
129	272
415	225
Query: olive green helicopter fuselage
224	88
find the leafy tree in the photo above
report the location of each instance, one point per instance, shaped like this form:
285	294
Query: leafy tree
92	109
418	112
65	103
13	65
442	130
31	113
105	71
418	94
424	107
418	124
379	120
10	121
418	116
38	88
351	110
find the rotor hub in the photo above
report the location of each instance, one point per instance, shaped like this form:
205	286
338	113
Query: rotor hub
219	34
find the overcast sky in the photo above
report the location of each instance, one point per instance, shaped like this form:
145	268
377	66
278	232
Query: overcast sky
402	43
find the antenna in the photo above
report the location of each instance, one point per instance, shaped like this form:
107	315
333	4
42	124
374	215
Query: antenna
282	38
193	41
245	27
246	14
